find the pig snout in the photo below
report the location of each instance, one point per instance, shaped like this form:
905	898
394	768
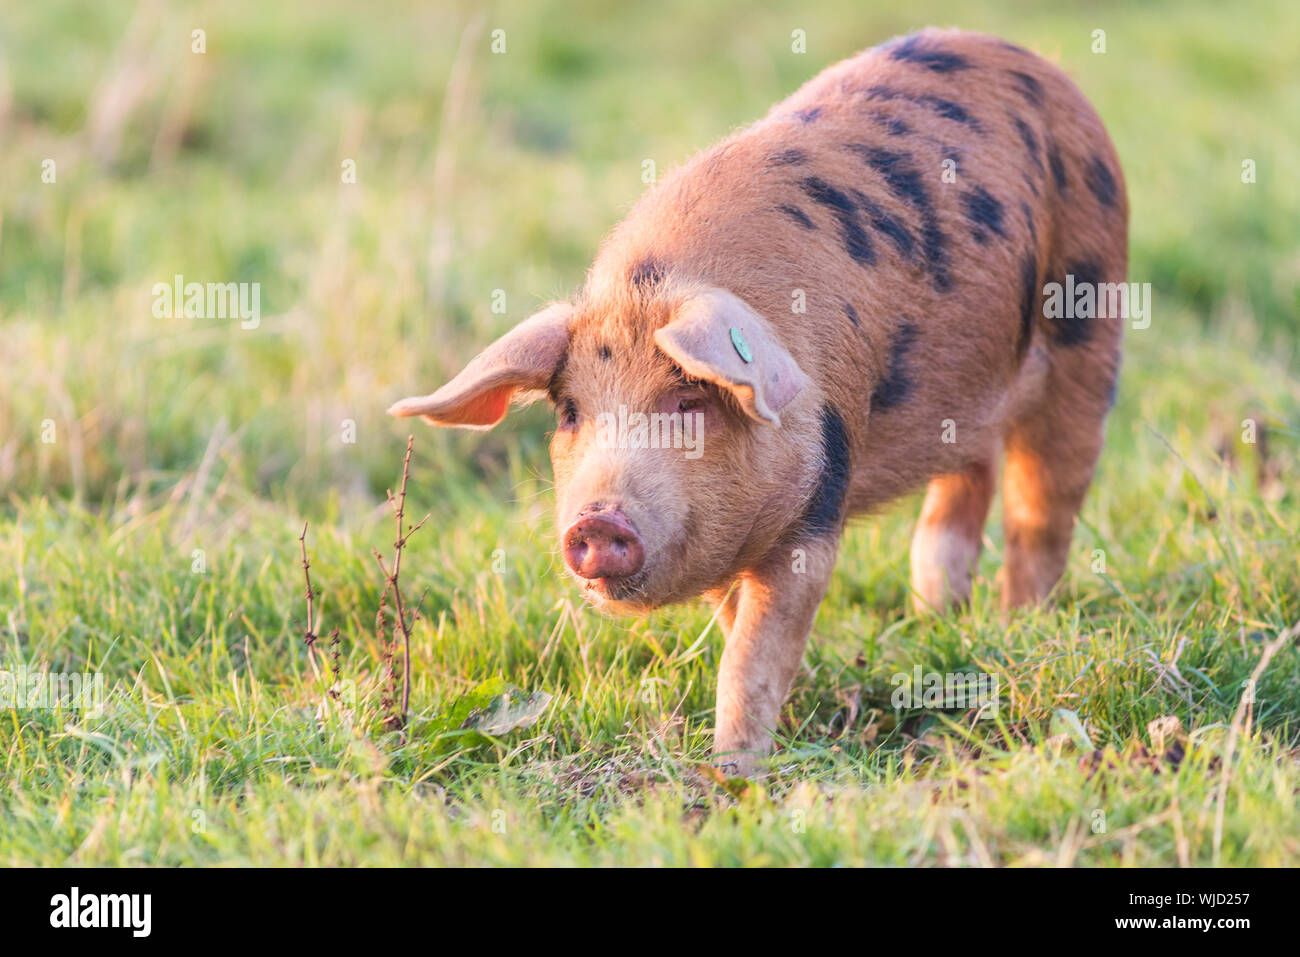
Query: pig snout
603	544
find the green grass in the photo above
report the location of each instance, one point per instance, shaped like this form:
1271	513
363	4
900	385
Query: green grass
173	436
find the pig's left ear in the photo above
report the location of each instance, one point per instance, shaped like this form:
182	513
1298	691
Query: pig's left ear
715	336
521	361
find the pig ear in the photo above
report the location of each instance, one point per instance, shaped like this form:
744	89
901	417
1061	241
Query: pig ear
715	336
523	360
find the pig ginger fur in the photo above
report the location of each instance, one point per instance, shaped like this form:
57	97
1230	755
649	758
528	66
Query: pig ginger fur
897	339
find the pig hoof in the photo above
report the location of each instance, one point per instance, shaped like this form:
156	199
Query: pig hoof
735	769
737	763
942	561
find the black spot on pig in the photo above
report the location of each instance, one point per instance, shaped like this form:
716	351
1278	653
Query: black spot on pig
798	215
791	157
934	243
1029	220
984	213
823	193
821	515
856	241
647	274
605	353
898	234
808	115
940	106
1070	328
1058	166
904	181
896	386
891	227
1031	142
1029	87
851	313
913	50
898	171
894	125
950	111
1028	296
1100	182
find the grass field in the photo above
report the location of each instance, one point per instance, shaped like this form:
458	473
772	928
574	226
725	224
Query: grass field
155	473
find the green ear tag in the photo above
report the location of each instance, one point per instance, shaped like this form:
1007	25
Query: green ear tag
742	347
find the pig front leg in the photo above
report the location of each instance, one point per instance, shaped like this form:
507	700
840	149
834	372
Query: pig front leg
766	619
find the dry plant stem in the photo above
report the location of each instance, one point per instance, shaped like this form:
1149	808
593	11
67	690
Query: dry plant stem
401	625
386	644
310	636
336	668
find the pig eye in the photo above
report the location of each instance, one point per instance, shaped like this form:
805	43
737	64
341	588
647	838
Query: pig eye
691	403
568	414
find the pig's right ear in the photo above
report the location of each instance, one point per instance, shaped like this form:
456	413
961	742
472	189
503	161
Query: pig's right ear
714	335
521	361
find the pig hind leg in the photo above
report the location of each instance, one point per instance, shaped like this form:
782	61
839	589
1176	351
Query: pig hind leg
1051	452
1055	434
947	542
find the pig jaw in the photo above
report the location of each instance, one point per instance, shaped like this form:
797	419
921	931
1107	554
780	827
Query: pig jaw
622	596
653	587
